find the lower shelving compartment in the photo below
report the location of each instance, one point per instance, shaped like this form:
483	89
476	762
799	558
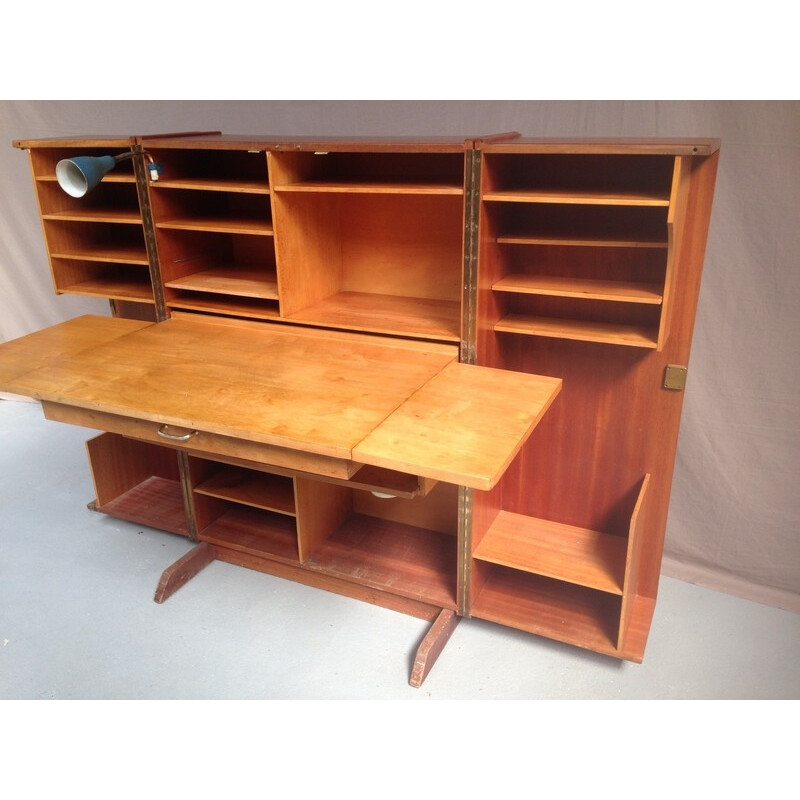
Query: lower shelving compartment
245	510
392	557
577	555
137	482
566	612
253	531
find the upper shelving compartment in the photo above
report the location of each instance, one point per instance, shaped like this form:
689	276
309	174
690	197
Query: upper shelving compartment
579	245
586	179
371	241
222	212
238	171
372	173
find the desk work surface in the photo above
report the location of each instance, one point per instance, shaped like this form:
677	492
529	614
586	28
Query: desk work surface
391	403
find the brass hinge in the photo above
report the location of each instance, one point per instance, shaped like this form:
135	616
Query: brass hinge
675	378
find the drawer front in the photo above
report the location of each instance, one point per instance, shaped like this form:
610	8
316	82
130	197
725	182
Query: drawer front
200	442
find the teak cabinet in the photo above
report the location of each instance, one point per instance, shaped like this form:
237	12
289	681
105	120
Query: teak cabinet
439	375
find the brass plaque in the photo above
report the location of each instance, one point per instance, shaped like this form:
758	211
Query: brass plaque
675	378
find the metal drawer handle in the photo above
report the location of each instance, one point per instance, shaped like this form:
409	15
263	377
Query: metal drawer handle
184	438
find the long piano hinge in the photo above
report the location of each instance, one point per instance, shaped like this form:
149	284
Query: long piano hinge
467	353
465	548
140	171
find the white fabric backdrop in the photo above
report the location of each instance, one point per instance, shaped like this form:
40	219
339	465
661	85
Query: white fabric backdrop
735	514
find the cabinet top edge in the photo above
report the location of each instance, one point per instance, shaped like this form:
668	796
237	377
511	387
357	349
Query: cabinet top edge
73	141
495	143
610	146
451	144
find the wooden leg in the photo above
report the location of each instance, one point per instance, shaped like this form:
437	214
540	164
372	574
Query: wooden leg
183	570
432	645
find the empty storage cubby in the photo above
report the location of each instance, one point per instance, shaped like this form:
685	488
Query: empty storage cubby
138	482
371	241
403	546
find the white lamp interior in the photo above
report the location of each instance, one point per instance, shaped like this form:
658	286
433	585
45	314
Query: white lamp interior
71	179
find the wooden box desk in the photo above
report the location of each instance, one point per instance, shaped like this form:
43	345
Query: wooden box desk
325	362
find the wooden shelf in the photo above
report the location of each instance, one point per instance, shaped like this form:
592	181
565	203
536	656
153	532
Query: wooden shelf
124	216
373	187
618	291
574	241
114	288
575	555
408	316
213	185
251	308
230	281
254	531
577	197
116	254
581	330
392	557
155	502
257	489
110	177
561	611
254	227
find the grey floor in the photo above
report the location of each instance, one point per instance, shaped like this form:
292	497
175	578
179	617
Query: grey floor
77	619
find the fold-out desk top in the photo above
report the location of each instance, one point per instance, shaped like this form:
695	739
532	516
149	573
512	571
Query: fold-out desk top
397	404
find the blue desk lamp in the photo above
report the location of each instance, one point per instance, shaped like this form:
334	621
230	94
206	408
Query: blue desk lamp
79	175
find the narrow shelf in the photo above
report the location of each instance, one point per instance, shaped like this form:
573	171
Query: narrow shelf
213	185
575	555
575	241
255	227
392	557
562	611
115	288
155	502
117	254
254	531
374	187
121	215
577	197
252	308
619	291
257	489
230	281
581	330
407	316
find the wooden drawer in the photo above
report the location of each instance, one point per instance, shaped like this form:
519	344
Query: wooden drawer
200	442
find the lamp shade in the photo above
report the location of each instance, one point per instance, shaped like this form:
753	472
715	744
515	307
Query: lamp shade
79	175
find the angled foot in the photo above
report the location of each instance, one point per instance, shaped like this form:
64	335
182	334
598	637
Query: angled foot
432	645
183	570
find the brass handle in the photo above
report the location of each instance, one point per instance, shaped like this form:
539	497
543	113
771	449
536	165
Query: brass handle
184	438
